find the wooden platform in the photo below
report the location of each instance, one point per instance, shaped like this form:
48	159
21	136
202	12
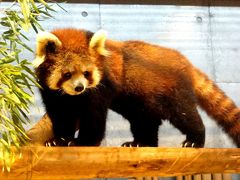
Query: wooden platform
98	162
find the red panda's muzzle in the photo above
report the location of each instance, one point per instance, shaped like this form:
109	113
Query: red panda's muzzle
75	85
79	88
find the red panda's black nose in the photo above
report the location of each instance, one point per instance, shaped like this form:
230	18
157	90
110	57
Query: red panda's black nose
79	88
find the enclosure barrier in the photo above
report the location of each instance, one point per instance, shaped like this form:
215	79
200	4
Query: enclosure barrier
39	162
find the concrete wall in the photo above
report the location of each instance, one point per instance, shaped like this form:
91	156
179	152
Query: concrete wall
208	36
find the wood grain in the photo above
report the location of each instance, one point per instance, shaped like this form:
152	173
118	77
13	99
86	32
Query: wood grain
101	162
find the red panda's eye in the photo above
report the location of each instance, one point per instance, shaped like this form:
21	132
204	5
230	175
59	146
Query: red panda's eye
86	73
67	75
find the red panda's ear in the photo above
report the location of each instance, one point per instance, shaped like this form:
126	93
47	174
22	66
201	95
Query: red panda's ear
46	43
97	43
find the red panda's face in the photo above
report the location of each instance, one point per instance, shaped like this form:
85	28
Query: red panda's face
71	70
72	73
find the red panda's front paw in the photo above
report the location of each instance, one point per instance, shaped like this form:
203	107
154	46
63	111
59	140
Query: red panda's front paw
59	142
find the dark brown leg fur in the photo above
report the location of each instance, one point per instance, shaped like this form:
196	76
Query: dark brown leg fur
189	122
145	133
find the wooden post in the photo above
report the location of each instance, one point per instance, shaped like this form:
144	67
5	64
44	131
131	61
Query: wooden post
41	132
102	162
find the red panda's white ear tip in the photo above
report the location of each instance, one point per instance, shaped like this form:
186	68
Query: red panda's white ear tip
43	38
102	33
98	42
98	37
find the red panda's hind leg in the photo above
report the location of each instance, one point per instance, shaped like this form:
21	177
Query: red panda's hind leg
190	123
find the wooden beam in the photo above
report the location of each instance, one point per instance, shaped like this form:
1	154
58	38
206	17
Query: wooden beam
39	162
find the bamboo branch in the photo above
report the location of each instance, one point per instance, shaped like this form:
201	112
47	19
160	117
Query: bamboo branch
101	162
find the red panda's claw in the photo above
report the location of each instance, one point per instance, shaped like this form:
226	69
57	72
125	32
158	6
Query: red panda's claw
190	144
131	144
47	144
57	142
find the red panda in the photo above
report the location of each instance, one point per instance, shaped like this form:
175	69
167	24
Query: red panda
83	74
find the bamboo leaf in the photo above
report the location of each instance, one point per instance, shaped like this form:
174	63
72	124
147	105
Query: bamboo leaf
34	27
3	142
34	6
16	76
25	37
46	5
25	46
26	12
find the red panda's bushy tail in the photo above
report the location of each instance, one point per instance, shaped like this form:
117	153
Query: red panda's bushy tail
215	102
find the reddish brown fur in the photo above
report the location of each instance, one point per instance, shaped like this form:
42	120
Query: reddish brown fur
70	37
152	83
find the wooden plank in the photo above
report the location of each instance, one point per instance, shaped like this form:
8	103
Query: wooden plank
206	177
227	177
147	178
179	178
155	178
101	162
189	177
197	177
217	177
